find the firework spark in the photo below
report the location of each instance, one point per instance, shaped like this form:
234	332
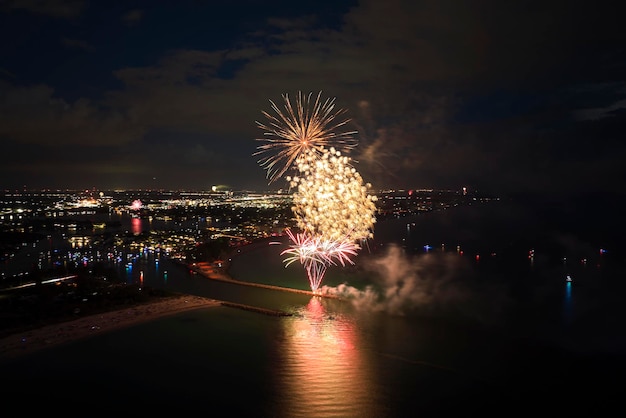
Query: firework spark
332	209
331	198
307	126
316	254
332	206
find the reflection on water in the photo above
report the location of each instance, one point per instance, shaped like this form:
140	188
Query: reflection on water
325	371
567	302
136	226
333	358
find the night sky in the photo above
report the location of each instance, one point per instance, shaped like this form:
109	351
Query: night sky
502	97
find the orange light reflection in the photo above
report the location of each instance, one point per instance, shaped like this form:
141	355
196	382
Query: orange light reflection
323	369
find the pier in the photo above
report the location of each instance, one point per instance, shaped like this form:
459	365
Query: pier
209	271
265	311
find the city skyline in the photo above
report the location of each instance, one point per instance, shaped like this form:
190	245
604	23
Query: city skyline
500	98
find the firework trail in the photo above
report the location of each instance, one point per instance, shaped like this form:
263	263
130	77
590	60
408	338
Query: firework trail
331	204
316	254
306	127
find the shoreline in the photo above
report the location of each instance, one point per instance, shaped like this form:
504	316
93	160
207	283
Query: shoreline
35	339
53	335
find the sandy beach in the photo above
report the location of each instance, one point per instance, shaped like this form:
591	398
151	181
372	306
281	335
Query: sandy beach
56	334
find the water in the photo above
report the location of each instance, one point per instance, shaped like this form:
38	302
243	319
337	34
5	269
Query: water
499	334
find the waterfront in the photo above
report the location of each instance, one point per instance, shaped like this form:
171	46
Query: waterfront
501	333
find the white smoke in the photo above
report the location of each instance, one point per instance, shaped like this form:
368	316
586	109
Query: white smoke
439	283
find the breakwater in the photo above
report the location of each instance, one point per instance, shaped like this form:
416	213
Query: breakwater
271	312
211	272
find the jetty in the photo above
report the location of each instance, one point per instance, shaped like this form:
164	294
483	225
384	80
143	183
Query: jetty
213	272
265	311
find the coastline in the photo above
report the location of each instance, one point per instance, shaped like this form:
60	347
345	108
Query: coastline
35	339
57	334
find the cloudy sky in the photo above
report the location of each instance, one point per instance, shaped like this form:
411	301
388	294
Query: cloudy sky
492	95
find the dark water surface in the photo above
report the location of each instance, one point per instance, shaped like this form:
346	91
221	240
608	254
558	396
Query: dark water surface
462	311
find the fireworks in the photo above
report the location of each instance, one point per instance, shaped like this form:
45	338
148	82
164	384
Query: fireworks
136	205
331	204
331	199
306	127
316	254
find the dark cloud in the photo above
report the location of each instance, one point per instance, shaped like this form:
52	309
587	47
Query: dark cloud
523	96
77	43
36	115
54	8
132	17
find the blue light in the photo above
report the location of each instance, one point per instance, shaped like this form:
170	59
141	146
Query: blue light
567	302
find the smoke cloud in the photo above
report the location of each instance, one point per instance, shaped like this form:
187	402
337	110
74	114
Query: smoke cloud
435	283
